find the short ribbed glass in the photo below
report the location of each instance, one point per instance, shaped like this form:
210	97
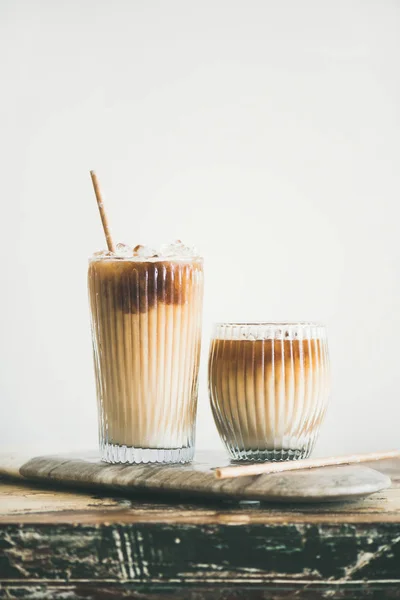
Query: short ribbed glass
269	388
146	330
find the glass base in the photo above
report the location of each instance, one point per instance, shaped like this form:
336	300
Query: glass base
113	453
268	455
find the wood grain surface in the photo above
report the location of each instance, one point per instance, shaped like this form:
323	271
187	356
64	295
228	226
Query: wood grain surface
197	479
62	544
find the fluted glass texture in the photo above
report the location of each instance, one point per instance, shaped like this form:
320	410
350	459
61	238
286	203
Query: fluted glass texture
269	388
146	330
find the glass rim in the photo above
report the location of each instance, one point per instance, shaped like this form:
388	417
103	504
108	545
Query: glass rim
152	259
276	324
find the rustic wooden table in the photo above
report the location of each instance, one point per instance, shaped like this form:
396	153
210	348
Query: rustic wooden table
63	544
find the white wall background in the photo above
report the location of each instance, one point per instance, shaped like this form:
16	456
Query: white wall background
265	132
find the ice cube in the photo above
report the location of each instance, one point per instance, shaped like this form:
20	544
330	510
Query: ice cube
189	251
144	251
123	250
177	248
167	250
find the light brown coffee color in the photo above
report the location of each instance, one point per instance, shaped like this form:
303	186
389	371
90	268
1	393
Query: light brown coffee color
268	394
146	322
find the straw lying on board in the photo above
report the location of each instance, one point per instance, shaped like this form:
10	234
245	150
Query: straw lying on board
295	465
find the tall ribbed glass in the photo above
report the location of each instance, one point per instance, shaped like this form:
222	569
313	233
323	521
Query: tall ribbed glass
146	330
269	388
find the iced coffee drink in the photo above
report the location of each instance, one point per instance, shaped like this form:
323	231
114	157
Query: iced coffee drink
269	388
146	310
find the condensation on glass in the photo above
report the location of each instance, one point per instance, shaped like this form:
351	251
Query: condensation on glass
146	330
269	388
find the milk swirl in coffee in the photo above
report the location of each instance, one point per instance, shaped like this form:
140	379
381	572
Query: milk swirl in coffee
269	388
146	311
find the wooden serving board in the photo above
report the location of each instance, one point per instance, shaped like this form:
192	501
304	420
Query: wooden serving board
325	484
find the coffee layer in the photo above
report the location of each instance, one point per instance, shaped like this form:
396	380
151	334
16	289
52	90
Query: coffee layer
136	286
146	339
268	394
